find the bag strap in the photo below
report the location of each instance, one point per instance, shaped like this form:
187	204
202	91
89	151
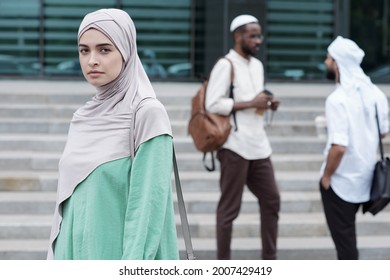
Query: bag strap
231	90
179	192
379	133
212	167
182	211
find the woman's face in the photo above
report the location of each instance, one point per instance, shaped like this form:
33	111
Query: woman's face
100	60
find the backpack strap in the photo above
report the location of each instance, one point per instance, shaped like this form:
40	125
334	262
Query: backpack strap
212	167
231	91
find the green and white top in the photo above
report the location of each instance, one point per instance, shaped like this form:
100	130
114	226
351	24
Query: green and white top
123	210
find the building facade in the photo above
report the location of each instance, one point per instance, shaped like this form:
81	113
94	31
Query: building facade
182	39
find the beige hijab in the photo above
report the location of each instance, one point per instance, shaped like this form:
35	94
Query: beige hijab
102	130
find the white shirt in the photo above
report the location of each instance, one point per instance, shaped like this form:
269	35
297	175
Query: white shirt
351	123
250	140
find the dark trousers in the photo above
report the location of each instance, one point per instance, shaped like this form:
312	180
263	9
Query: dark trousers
258	175
341	217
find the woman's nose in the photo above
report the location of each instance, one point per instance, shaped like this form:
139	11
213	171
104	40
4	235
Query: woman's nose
93	61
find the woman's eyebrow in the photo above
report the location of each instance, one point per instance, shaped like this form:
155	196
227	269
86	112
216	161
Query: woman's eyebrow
98	45
104	45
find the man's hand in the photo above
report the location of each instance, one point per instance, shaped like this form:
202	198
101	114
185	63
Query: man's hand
262	101
336	153
275	104
325	182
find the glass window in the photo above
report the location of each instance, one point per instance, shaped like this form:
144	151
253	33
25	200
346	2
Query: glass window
61	22
19	37
43	40
163	36
370	28
298	33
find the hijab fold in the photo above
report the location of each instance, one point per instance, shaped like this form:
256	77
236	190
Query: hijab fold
100	131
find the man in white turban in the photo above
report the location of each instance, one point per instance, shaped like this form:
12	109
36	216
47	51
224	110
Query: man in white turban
351	149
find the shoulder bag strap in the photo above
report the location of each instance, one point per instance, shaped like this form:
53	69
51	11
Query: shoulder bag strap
379	133
182	211
181	206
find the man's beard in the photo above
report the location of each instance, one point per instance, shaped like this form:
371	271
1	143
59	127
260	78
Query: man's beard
330	75
248	51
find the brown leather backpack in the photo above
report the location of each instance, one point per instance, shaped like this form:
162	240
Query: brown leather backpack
209	131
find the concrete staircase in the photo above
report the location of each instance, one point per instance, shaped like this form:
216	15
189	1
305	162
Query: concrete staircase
34	118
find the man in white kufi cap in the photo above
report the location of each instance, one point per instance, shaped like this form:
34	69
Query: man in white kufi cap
351	149
245	158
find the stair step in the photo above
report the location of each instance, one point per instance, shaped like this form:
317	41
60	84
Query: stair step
40	202
176	112
23	249
290	224
45	161
34	226
295	248
314	248
47	111
26	202
196	202
28	181
179	127
41	142
192	181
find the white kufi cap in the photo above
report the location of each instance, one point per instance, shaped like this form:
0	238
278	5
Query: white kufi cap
242	20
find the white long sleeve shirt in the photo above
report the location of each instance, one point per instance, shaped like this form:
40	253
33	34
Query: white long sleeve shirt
250	140
351	123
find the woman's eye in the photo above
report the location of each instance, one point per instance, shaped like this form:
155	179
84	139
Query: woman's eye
105	50
83	51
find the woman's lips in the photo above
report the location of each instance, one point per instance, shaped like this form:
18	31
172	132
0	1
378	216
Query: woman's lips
94	73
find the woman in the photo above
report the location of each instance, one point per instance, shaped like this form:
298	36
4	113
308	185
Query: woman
114	188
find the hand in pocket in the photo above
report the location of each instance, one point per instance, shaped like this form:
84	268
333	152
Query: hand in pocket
325	183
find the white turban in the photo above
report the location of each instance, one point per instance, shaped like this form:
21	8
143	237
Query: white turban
348	57
242	20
